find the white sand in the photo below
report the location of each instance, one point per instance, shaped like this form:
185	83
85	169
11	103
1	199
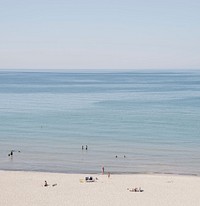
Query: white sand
26	189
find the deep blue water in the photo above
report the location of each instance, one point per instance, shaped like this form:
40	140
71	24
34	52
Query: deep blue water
152	117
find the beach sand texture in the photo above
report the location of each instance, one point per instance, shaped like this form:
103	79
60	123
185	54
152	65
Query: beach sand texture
27	189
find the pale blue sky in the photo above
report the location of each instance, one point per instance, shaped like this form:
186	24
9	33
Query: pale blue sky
104	34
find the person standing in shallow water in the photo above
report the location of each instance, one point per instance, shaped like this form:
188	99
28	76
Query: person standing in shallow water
86	147
11	153
82	147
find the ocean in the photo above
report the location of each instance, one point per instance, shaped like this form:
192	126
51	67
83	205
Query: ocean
131	121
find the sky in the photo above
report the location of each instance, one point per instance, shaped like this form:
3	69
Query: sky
99	34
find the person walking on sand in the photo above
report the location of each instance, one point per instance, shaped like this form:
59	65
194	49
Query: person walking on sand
103	170
86	147
108	174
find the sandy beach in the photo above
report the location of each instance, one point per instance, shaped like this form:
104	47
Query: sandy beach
27	189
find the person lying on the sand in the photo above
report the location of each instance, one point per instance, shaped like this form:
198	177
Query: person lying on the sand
135	189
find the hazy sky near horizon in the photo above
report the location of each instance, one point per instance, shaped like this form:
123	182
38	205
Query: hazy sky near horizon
104	34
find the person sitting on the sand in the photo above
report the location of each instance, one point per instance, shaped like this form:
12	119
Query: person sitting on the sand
45	183
89	179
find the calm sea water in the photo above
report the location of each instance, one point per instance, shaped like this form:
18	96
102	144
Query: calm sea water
153	118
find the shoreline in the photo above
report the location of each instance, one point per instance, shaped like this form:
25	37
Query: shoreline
98	173
27	188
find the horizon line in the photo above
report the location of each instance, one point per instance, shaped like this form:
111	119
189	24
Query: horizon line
98	70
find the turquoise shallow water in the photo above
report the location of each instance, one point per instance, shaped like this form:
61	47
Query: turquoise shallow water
151	117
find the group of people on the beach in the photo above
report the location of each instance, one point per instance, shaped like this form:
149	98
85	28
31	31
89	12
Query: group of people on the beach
11	153
103	171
